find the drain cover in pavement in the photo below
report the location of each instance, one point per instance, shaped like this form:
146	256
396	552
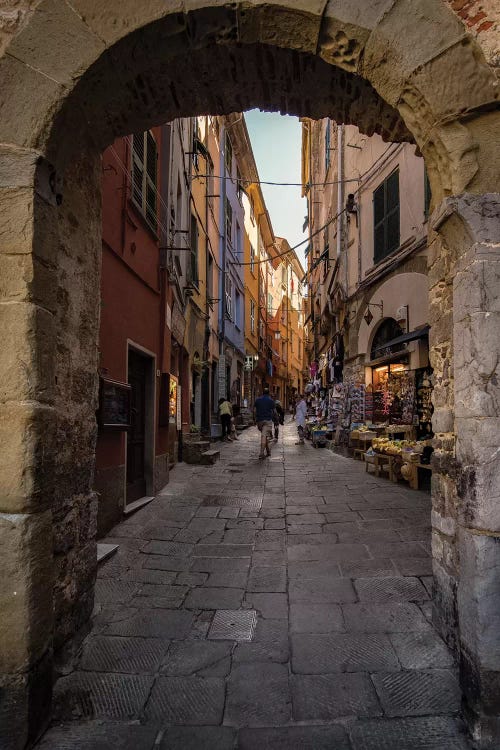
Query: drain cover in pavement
233	625
232	501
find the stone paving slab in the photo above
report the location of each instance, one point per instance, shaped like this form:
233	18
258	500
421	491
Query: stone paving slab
92	695
267	579
390	589
325	654
187	658
98	735
220	629
293	738
329	697
414	693
421	650
269	644
258	694
186	701
269	606
321	591
197	738
114	654
316	618
426	733
214	598
387	618
153	623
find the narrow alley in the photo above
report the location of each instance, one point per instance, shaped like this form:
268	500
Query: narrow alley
282	603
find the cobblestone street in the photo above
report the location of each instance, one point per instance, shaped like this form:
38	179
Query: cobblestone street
282	604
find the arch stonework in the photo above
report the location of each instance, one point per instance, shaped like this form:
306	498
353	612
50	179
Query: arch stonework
74	74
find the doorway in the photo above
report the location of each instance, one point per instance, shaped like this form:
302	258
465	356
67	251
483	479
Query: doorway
140	436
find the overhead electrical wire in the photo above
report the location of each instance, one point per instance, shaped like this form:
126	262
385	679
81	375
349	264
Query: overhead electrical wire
248	182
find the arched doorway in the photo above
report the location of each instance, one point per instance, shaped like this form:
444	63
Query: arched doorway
74	79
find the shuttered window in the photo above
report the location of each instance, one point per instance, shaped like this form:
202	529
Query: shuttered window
193	264
386	217
144	176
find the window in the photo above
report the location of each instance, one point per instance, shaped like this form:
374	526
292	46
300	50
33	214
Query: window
252	211
269	303
229	222
144	175
210	181
237	310
386	217
328	133
427	194
252	316
291	341
228	156
210	278
193	259
284	275
283	351
239	248
252	259
229	296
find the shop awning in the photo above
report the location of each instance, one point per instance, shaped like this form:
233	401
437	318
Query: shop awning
418	333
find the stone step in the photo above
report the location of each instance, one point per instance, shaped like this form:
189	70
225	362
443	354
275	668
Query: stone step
208	458
191	452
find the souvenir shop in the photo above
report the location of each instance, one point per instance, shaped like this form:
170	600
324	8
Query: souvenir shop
389	413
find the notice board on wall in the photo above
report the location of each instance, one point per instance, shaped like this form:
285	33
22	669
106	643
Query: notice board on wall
114	404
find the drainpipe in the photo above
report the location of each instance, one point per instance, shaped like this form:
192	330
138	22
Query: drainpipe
222	234
207	409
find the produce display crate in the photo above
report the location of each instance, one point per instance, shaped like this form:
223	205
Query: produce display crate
318	437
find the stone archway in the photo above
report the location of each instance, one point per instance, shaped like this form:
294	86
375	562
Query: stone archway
73	76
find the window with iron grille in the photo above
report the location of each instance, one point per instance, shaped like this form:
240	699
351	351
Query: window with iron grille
193	256
229	296
252	259
229	222
386	217
269	303
144	176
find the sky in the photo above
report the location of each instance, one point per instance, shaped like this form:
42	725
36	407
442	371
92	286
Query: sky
276	143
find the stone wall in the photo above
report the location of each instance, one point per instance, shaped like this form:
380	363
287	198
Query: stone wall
75	75
464	272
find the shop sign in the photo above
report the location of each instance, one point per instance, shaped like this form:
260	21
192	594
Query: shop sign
249	364
114	404
178	324
173	400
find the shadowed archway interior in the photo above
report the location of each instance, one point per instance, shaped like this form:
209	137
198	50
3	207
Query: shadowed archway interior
74	76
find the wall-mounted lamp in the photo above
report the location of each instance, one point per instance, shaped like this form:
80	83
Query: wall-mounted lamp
368	316
351	206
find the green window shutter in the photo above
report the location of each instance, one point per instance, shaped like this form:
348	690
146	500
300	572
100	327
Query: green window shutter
386	217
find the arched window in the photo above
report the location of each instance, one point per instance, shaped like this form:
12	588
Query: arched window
386	332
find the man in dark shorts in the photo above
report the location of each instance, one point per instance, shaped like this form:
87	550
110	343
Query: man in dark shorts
264	409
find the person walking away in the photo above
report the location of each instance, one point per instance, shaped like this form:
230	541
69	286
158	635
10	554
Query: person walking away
278	418
225	413
263	415
300	418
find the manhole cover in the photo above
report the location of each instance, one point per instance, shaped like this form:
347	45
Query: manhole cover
233	625
232	501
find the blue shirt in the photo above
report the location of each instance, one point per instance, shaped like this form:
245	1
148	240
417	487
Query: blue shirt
264	408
